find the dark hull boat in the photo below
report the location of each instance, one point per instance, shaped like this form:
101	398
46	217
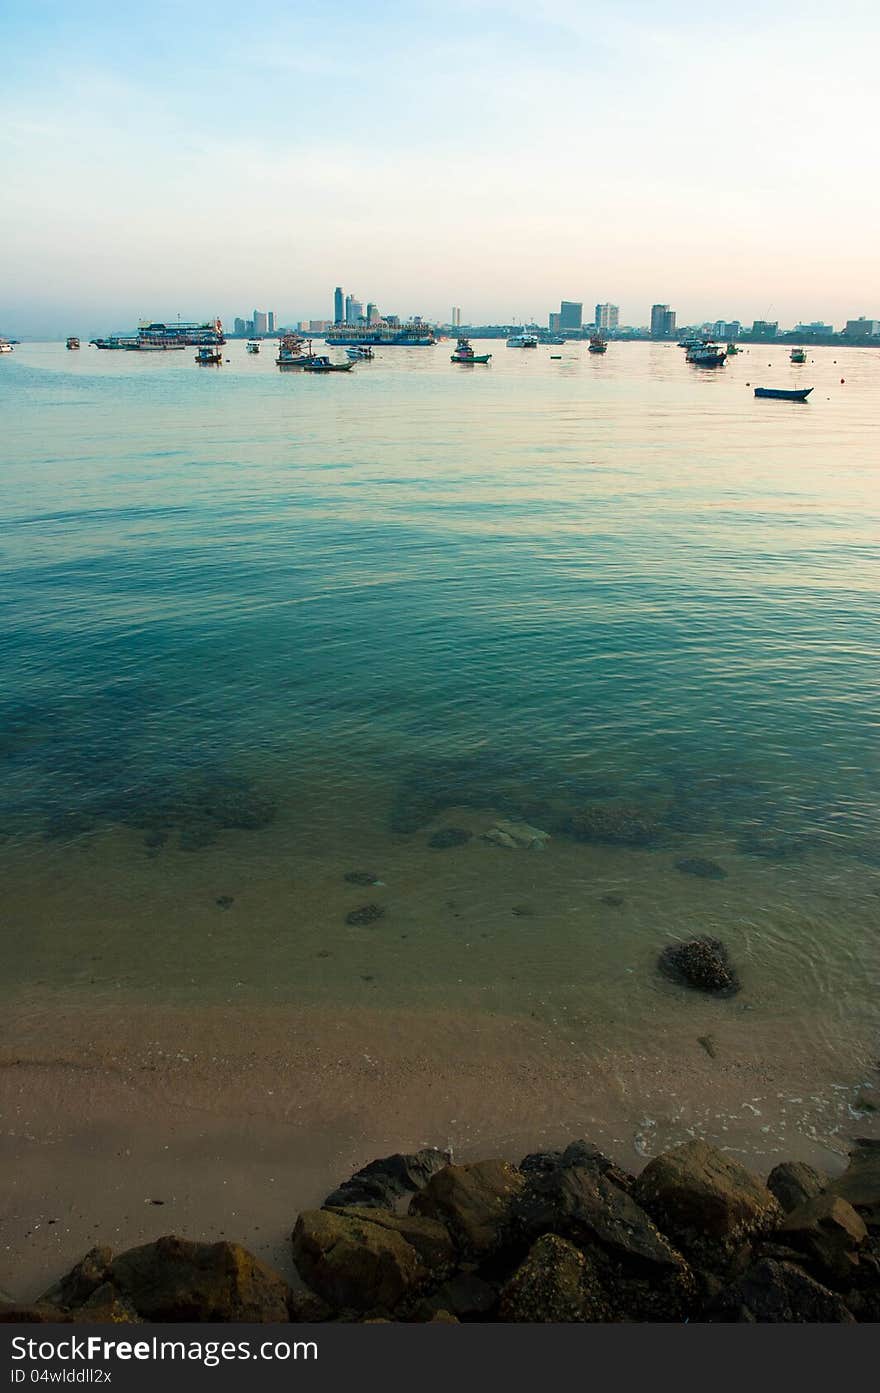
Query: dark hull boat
782	394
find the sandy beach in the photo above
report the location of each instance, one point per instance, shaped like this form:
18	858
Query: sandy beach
127	1107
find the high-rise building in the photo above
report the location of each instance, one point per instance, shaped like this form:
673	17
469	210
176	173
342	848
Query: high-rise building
261	322
607	316
356	311
662	321
765	328
239	327
456	317
271	318
553	322
571	314
338	306
862	328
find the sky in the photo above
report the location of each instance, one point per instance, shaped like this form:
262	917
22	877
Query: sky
499	155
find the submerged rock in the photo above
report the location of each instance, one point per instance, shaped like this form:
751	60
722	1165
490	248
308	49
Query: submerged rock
701	866
361	878
367	914
517	834
450	836
620	825
703	963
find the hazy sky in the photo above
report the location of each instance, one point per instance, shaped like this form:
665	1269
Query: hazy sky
495	154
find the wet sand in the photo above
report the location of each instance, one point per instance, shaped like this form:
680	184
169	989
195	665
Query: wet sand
235	1119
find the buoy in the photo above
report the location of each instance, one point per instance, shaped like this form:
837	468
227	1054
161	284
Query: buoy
843	379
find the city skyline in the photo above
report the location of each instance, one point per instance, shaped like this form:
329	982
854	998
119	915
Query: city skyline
126	198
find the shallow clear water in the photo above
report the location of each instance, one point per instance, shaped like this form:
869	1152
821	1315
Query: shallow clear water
350	610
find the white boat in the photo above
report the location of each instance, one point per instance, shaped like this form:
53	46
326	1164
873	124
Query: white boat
707	355
360	353
5	346
253	346
523	341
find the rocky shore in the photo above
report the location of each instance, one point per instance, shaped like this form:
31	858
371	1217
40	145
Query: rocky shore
564	1236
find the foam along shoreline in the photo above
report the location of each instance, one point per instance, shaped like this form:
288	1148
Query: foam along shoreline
222	1122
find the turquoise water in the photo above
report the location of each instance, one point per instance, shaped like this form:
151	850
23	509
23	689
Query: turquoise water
349	610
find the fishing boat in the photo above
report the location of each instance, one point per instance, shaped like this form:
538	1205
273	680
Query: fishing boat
706	355
209	354
253	346
597	344
290	354
73	341
5	346
783	393
732	350
798	355
319	364
360	353
464	353
523	341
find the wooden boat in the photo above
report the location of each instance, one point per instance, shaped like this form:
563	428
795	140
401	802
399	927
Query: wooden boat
73	341
320	364
732	350
784	394
209	354
598	344
464	353
798	355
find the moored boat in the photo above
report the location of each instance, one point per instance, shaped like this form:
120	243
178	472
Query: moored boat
464	353
209	354
360	353
784	393
290	354
798	355
523	340
5	346
706	355
253	346
732	350
73	341
321	364
598	344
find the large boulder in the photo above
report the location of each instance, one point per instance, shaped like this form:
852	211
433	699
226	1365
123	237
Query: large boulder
773	1292
704	1200
365	1259
77	1285
640	1273
473	1201
382	1183
176	1280
828	1233
577	1153
860	1182
618	824
794	1182
556	1283
703	963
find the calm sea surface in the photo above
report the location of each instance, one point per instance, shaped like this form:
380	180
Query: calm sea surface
261	630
